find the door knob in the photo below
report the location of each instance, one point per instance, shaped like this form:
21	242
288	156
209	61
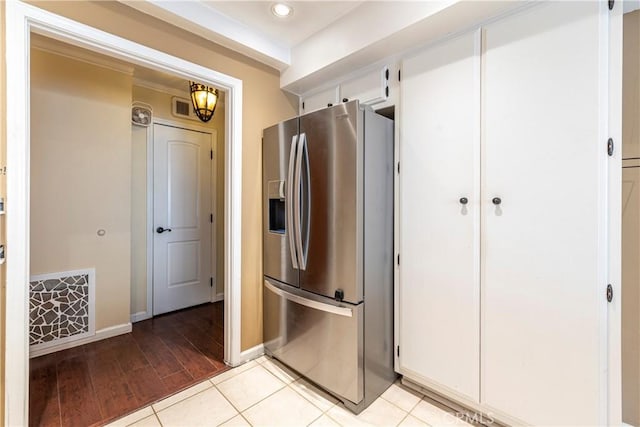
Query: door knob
496	201
464	200
161	230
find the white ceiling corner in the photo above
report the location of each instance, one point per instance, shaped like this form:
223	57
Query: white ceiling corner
202	19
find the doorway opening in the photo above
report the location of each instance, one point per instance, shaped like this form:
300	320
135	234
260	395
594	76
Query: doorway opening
22	22
83	165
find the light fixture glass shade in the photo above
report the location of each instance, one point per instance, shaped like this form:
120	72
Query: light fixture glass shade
204	99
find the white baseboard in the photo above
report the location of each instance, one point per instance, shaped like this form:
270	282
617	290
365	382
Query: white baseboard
218	297
141	315
250	354
101	334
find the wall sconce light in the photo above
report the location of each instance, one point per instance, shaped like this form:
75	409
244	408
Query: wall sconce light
204	99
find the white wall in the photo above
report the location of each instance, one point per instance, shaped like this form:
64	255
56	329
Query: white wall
80	177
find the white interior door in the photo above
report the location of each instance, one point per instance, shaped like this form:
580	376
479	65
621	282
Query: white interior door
543	251
439	231
183	209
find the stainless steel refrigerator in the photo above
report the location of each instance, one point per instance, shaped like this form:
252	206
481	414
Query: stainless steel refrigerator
328	249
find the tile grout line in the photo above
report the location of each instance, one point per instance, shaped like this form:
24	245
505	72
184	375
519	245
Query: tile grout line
398	406
404	418
316	419
245	418
331	418
181	400
309	400
264	398
232	405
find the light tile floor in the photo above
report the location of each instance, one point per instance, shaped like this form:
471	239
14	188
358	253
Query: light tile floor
265	393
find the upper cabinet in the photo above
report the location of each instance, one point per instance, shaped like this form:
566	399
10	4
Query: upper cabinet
370	88
373	87
320	99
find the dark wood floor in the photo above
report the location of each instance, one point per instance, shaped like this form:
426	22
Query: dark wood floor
101	381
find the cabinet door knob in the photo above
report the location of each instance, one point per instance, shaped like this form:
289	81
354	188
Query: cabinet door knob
464	200
161	230
496	201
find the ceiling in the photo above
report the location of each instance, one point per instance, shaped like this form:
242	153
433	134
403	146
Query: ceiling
322	41
308	17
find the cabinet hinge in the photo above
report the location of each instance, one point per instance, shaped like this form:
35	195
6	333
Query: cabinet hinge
398	259
211	218
610	146
211	282
609	293
398	167
399	75
303	105
211	154
611	3
398	351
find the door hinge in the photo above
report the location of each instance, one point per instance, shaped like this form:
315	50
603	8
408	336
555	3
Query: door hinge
386	91
398	259
211	282
609	293
211	218
303	105
211	154
610	146
611	3
398	351
398	167
399	75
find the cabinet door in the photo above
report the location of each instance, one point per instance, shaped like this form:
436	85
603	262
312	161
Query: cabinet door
439	248
543	248
318	100
370	88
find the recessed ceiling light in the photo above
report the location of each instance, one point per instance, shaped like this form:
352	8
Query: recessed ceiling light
281	10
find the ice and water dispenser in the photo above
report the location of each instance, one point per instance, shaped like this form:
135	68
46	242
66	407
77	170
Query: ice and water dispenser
276	207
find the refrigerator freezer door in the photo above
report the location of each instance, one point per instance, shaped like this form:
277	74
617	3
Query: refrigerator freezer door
334	148
317	337
279	256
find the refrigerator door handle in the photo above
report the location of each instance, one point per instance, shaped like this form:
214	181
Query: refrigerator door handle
297	214
328	308
290	202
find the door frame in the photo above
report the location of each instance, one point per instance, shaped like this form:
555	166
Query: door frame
20	21
150	198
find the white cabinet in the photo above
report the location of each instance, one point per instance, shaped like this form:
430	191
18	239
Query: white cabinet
502	304
320	99
372	87
440	292
369	88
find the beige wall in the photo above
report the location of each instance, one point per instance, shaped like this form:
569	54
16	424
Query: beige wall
263	104
161	104
631	222
631	86
80	176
